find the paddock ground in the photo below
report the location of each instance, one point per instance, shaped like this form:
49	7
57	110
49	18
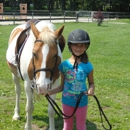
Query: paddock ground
80	19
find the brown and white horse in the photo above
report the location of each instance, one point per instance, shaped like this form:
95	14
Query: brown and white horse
33	54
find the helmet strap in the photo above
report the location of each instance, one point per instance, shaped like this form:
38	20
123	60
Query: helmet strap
75	66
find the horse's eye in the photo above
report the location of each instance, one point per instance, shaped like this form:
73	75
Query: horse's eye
55	55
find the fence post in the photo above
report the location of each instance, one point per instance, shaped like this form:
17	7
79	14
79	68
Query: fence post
88	16
13	18
50	17
92	15
32	15
64	17
77	16
116	15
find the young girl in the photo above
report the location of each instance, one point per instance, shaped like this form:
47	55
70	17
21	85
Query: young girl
74	73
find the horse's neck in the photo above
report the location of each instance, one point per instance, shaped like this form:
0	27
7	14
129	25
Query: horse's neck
27	51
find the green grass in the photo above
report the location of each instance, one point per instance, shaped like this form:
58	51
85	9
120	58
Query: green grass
109	53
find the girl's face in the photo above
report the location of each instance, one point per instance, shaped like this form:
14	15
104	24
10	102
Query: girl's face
78	48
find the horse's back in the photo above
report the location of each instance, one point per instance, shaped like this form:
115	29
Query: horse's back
15	32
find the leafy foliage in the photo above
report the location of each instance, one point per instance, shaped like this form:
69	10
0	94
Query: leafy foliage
90	5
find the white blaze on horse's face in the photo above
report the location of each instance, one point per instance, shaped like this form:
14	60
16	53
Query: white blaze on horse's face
46	58
42	80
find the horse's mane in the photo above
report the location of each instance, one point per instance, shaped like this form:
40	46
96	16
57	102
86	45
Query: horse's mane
47	32
47	36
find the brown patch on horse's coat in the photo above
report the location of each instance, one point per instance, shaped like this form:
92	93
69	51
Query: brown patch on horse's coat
51	60
31	70
35	30
12	68
37	59
59	31
13	35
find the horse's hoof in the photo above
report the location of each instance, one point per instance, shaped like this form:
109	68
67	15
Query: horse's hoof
16	118
28	127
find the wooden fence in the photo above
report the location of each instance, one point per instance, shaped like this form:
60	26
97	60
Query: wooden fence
65	16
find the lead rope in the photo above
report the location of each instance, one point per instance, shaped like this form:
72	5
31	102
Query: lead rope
53	104
58	112
102	114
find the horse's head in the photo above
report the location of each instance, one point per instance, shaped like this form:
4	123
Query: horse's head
46	57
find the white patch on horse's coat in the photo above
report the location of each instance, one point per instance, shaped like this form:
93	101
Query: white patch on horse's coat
43	81
59	52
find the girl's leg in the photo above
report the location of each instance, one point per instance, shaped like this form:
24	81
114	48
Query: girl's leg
81	115
68	123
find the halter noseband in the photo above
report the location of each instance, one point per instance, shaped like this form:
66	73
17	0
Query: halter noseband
44	69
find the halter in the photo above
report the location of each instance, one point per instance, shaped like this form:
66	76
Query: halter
44	69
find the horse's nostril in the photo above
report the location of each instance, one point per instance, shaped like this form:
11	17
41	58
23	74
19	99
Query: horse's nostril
43	89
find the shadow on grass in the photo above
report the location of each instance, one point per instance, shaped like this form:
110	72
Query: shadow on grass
103	26
91	125
41	118
59	123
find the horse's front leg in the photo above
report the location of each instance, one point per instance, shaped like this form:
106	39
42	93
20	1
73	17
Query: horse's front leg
29	105
18	92
51	114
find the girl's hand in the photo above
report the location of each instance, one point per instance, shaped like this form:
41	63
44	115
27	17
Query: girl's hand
45	93
90	92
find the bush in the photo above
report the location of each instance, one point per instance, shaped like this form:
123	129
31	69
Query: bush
99	17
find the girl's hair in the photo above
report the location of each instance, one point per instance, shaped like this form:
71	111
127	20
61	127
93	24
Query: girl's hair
84	57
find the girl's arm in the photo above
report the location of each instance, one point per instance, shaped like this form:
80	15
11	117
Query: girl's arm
57	89
91	84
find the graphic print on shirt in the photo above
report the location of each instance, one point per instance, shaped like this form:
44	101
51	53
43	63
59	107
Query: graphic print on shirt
75	82
70	75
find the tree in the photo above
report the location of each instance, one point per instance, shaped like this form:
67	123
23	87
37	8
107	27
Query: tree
91	5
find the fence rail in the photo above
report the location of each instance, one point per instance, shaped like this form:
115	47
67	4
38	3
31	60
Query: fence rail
8	16
62	16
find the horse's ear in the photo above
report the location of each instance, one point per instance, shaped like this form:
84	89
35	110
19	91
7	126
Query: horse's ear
59	31
34	30
62	43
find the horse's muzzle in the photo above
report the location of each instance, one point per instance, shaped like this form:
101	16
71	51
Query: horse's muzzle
42	89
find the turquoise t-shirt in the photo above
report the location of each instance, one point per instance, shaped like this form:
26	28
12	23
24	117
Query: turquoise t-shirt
75	82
